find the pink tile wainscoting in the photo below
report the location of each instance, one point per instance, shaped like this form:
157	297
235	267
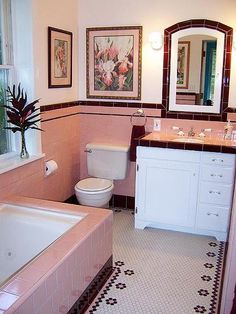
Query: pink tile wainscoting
68	128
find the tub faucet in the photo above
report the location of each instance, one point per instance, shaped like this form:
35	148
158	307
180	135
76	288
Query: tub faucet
191	132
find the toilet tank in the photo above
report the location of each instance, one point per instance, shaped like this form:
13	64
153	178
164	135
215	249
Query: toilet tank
107	161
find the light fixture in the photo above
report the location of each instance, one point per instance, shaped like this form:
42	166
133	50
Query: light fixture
156	40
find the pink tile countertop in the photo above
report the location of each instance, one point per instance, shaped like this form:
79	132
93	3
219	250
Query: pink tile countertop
16	290
212	144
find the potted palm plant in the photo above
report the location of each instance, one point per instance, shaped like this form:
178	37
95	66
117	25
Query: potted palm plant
21	115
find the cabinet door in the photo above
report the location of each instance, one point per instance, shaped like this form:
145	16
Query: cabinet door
167	191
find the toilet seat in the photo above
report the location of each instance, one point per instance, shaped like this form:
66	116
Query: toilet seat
94	184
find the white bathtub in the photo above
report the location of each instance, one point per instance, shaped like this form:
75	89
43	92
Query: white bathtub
25	232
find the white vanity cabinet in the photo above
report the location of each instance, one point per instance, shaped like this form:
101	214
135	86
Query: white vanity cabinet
184	190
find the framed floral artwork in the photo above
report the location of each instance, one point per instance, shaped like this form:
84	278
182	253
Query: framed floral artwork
114	62
59	58
183	64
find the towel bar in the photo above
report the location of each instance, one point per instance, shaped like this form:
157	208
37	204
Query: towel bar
138	114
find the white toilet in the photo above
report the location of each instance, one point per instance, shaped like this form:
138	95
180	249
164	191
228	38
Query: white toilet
105	163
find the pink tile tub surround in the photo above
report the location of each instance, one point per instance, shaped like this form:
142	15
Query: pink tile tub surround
55	280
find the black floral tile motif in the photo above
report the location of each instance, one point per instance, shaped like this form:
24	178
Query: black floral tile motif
120	286
208	265
203	292
119	263
129	272
111	301
213	244
206	278
200	309
211	254
216	283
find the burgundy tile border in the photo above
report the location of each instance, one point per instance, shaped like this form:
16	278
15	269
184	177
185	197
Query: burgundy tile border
59	106
121	104
93	289
188	146
122	201
226	66
164	113
101	104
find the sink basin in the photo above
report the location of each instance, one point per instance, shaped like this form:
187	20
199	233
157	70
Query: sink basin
188	140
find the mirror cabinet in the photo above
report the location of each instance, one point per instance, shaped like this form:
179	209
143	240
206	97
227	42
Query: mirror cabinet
196	70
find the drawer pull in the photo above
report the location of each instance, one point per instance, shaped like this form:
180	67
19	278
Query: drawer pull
218	175
217	159
214	192
209	214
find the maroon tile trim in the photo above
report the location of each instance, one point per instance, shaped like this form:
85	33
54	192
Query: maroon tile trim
228	150
176	145
226	66
158	144
122	201
121	104
212	148
89	294
188	146
130	202
59	106
194	146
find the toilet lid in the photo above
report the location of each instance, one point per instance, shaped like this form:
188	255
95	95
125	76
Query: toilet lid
94	184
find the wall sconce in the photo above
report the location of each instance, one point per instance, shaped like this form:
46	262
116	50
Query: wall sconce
156	40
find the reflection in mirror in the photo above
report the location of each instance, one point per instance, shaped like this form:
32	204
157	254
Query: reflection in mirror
196	70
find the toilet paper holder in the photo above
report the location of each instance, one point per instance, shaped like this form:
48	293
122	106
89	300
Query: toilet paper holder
50	167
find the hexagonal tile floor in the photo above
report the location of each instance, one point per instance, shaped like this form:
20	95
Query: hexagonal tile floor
160	272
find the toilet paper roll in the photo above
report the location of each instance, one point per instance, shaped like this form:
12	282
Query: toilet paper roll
50	167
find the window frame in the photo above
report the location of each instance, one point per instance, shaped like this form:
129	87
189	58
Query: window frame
11	159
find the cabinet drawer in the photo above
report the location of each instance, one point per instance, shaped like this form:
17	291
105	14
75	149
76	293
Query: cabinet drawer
215	193
218	159
212	218
168	154
217	174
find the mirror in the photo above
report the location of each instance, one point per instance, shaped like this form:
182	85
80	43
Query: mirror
196	68
187	66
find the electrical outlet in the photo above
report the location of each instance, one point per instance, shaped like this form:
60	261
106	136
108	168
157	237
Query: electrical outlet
156	125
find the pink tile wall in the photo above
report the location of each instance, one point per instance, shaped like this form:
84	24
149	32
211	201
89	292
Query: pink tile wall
64	141
112	125
60	141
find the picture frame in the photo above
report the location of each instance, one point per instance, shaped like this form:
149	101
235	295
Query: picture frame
113	59
59	58
183	64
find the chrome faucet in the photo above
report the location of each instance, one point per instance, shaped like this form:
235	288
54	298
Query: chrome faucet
191	132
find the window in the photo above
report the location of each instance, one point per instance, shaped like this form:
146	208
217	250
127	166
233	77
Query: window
5	69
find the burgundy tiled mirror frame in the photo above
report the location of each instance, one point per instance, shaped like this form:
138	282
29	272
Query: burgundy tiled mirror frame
228	32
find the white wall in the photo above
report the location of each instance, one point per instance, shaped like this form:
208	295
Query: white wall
153	15
60	14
